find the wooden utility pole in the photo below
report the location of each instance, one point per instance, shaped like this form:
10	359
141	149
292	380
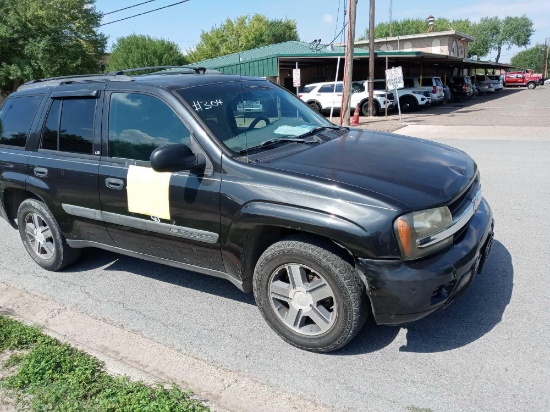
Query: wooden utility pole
348	66
546	61
371	59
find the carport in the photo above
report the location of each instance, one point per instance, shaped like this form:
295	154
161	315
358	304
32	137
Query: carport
318	63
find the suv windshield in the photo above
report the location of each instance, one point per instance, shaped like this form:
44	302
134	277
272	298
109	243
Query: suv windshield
245	114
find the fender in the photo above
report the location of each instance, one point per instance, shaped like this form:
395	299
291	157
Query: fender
239	241
10	180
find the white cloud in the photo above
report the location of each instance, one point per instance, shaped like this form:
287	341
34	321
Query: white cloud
328	19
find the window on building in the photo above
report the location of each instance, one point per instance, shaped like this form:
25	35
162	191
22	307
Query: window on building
16	118
453	48
461	50
436	46
408	46
140	123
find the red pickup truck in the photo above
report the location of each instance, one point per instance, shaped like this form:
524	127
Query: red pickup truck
523	78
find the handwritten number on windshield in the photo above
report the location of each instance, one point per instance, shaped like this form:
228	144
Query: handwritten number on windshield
206	105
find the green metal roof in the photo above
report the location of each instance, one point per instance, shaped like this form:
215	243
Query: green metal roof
263	60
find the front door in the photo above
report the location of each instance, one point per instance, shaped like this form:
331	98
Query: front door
168	216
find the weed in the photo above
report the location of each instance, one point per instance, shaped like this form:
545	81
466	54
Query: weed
54	376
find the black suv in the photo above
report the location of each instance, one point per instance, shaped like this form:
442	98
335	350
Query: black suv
235	177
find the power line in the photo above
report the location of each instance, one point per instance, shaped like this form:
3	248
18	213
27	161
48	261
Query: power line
129	7
146	12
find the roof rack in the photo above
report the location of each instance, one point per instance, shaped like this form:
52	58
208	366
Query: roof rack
197	70
79	78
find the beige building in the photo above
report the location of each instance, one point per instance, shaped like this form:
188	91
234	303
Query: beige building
450	43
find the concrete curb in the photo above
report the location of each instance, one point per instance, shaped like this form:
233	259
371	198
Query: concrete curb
143	359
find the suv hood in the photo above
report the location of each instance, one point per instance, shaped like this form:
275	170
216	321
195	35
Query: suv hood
414	172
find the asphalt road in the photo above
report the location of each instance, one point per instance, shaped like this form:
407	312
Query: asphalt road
489	351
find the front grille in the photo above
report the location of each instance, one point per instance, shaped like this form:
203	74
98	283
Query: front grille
460	204
390	96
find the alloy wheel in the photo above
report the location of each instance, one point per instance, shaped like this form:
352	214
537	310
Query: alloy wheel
39	236
302	299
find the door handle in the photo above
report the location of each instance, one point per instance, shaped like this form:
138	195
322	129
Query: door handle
40	172
113	183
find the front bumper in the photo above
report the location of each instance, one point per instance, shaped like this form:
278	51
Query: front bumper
402	292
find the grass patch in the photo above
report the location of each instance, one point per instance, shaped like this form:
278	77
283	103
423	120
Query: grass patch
51	375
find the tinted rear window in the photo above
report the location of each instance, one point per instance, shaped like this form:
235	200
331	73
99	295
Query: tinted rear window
16	119
427	81
307	89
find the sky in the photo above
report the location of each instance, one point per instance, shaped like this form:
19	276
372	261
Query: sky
315	19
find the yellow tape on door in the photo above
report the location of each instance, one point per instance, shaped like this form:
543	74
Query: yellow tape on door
148	192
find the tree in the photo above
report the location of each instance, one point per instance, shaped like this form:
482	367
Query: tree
144	51
514	31
44	38
243	33
490	33
533	58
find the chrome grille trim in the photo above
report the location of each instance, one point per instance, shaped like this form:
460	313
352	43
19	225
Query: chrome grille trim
456	225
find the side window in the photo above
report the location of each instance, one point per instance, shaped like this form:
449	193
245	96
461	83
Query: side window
327	88
16	119
69	126
139	123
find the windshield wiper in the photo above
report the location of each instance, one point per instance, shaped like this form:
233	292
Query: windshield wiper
274	141
319	128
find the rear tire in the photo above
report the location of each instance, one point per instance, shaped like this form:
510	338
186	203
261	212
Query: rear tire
309	295
365	108
42	236
314	106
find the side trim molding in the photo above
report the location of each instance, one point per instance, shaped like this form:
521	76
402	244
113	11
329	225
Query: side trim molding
78	244
142	224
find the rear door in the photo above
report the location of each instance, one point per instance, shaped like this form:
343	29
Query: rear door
16	122
171	216
329	97
64	166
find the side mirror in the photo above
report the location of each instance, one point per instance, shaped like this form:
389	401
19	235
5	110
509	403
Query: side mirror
176	158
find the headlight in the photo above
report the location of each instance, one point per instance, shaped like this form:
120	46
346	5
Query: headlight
415	225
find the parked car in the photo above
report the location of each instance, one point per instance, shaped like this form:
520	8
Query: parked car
494	81
484	86
321	97
498	81
525	78
461	87
324	224
410	98
431	83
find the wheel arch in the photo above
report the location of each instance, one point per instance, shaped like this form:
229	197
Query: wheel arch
12	199
316	102
259	225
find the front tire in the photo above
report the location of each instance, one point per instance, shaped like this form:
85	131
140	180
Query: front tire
408	104
42	236
309	294
531	85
